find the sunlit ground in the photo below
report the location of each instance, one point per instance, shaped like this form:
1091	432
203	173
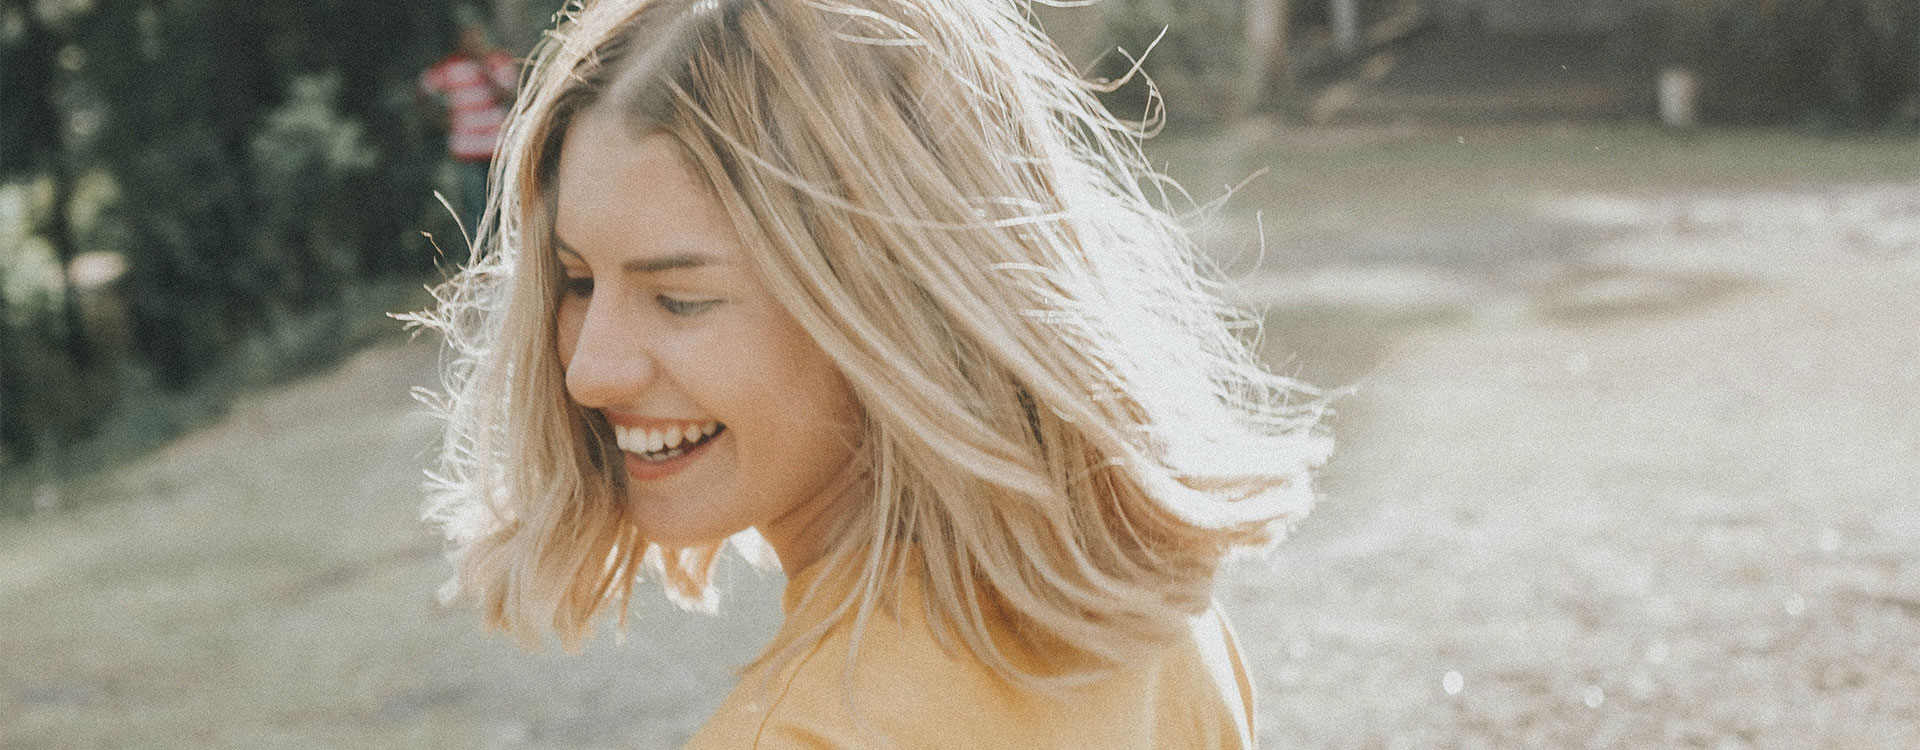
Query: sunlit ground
1630	460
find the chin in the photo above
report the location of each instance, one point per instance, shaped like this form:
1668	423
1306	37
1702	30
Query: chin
675	530
688	540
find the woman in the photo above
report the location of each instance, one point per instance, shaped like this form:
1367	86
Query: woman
877	282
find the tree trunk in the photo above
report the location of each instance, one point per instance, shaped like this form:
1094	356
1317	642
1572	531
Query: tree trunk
45	132
60	236
1268	72
1346	26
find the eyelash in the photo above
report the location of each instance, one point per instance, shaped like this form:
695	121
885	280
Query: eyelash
684	308
582	287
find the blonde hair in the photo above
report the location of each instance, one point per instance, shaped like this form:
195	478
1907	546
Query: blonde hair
1062	426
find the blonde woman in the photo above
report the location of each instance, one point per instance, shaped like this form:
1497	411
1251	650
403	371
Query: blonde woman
876	282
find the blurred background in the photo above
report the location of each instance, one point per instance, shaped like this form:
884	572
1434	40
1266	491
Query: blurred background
1624	294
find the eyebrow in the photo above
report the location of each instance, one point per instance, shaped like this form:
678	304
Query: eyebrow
657	264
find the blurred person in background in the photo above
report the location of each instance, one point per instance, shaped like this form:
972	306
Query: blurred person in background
468	93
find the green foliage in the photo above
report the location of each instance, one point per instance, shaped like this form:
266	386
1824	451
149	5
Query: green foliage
259	165
47	396
306	160
245	148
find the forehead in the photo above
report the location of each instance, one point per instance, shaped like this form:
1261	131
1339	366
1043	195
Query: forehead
621	195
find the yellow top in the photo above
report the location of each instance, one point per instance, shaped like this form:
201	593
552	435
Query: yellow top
907	692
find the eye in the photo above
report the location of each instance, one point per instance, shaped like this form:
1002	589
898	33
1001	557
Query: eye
577	286
685	308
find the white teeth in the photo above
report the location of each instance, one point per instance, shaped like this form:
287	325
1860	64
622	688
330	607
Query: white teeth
662	443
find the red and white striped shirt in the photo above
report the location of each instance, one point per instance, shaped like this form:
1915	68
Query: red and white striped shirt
476	110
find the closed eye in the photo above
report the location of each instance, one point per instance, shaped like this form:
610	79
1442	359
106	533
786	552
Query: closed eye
685	308
577	286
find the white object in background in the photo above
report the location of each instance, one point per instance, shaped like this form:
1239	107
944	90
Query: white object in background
1679	98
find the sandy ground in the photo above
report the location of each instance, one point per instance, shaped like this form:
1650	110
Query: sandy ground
1661	492
1697	529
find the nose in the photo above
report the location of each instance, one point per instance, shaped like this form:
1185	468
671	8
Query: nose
607	361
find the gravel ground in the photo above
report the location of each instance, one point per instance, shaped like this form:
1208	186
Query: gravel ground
1696	528
1638	489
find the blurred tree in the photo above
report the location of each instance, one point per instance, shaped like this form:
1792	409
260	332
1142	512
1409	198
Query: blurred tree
1192	55
259	162
1268	74
33	142
1216	58
49	369
185	100
1845	63
247	185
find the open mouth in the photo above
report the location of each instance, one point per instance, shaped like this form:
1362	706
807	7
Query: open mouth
665	443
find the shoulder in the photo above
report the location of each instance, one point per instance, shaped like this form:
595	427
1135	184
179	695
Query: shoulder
829	696
902	689
894	684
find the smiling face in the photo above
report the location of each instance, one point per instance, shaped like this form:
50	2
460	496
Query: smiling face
728	415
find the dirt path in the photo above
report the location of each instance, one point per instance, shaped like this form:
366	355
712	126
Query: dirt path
263	584
1698	528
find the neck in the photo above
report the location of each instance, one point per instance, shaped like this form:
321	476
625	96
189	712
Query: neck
809	530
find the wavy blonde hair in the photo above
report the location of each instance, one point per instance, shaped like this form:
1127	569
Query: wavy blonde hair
1063	426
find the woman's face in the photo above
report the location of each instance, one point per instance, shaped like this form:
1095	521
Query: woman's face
728	415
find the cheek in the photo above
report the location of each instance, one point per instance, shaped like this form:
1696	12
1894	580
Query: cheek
807	441
835	411
806	416
567	319
816	405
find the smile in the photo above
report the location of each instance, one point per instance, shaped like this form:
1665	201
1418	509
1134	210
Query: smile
661	443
